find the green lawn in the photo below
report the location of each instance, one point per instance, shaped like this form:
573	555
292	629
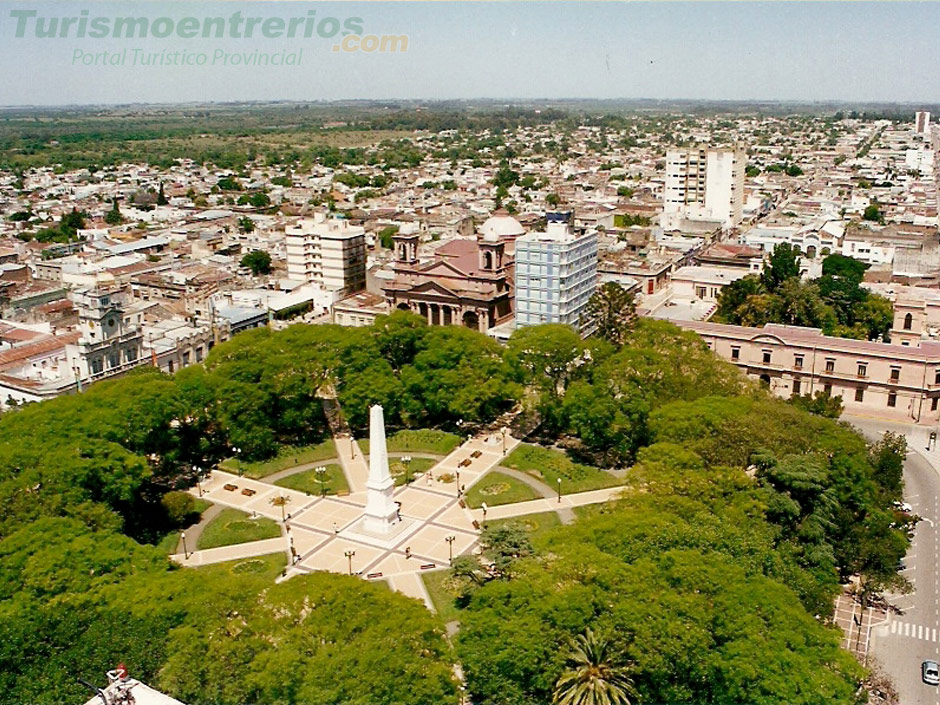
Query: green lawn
444	589
536	525
270	565
499	488
402	472
418	441
287	457
233	526
306	481
548	465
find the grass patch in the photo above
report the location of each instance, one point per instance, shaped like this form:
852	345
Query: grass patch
418	441
498	488
334	481
233	526
536	525
269	566
200	505
287	457
548	465
404	473
444	590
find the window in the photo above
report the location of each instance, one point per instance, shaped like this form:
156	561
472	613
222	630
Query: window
828	389
908	321
736	354
97	366
859	394
862	369
936	377
131	354
114	359
892	399
798	362
895	374
796	387
830	364
767	357
933	403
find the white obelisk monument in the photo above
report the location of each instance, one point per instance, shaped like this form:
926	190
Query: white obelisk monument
381	512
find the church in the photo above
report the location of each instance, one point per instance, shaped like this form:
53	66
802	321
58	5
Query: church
466	282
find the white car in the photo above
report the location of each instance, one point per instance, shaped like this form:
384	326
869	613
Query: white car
930	672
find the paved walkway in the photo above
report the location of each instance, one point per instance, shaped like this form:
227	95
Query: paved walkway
918	435
536	506
353	462
324	533
566	514
195	531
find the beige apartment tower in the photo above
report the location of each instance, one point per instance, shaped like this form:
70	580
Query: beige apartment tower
328	251
703	185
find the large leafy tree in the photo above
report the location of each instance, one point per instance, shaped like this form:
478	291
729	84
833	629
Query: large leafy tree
783	264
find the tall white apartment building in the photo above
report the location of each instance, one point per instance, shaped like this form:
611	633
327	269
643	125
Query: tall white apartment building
556	274
921	122
327	251
703	185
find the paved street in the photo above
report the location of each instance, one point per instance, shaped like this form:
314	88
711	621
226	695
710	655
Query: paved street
911	633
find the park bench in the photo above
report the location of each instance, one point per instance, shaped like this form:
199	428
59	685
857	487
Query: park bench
249	492
230	487
476	454
464	463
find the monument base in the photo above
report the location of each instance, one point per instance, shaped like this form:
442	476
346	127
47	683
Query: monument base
385	539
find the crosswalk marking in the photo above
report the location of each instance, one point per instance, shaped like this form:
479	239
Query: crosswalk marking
914	631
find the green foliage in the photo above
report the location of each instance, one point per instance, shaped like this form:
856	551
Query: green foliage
333	481
386	234
835	302
887	458
246	224
821	403
612	310
593	675
258	261
113	216
873	213
783	264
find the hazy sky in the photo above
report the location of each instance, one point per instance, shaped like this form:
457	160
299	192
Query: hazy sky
725	50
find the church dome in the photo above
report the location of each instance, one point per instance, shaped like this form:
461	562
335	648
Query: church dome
501	226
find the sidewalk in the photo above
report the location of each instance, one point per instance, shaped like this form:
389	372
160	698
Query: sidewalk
918	435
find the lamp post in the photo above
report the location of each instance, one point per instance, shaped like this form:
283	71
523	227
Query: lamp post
321	471
349	555
450	547
504	440
198	479
484	508
352	446
458	484
185	551
559	490
237	461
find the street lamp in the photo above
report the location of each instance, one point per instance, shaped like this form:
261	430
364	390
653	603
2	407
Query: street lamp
349	555
185	551
450	547
504	440
237	462
559	490
484	508
458	484
198	479
321	471
352	446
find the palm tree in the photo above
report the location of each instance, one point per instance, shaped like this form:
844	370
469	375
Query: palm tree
590	677
280	501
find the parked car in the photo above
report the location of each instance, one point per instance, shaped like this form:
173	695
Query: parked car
930	672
